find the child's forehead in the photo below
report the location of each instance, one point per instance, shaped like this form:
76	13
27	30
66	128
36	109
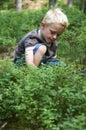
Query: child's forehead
54	26
58	28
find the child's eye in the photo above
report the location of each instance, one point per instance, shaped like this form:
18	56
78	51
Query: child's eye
52	32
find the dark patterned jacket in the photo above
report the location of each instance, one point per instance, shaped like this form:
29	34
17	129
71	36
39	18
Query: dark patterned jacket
31	39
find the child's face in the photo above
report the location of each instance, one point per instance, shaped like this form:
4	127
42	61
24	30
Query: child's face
50	33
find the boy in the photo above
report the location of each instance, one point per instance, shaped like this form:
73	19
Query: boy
39	46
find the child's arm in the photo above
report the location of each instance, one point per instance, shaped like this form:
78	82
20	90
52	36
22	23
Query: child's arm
29	55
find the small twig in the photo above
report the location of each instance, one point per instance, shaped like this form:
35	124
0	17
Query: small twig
3	125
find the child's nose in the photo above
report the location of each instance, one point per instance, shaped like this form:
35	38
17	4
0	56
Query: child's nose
54	36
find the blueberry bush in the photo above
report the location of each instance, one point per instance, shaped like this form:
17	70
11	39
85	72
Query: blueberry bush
48	97
44	98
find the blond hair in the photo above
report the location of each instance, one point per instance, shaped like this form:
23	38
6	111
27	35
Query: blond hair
56	16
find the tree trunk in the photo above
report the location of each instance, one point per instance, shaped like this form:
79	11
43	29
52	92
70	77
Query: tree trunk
70	3
18	5
52	2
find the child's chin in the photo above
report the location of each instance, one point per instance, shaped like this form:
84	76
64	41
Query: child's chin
49	42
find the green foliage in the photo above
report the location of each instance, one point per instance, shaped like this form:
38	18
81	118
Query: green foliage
45	98
72	43
14	26
6	4
79	4
77	123
72	47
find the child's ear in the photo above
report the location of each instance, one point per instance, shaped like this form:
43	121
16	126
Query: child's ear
43	24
